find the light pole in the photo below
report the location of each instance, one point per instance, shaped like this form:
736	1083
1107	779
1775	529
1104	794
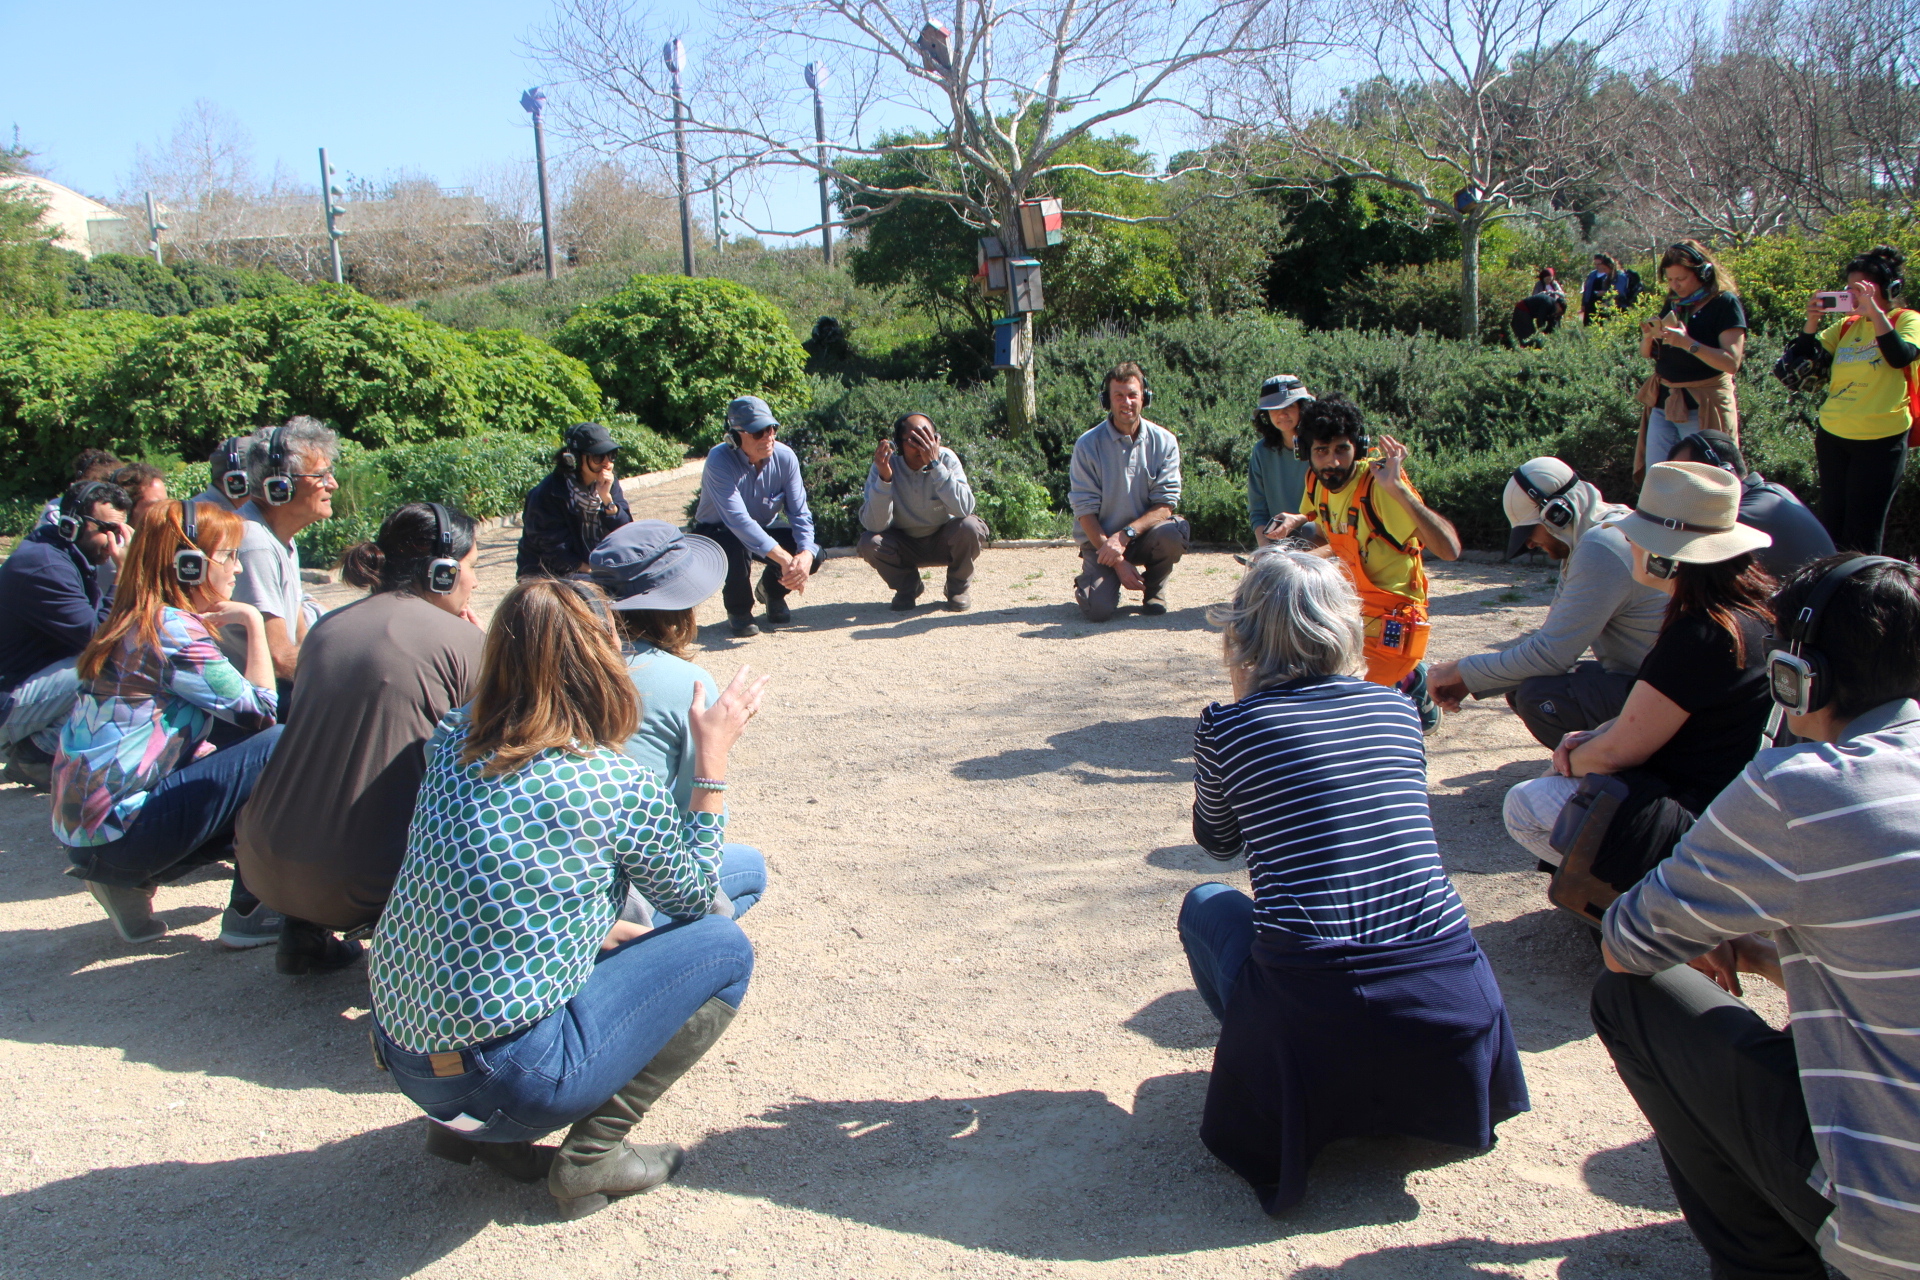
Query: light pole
676	55
154	228
327	194
816	79
532	101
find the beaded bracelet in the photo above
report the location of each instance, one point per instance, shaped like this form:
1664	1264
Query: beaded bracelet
710	784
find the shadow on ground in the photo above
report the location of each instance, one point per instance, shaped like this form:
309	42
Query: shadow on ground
1605	1255
1176	1020
1043	1174
1157	749
376	1201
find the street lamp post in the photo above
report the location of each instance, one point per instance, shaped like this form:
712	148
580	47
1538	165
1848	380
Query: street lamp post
154	228
816	79
328	193
533	101
676	55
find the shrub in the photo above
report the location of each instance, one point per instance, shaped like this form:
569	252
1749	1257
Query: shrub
1775	274
674	350
125	282
52	375
1426	298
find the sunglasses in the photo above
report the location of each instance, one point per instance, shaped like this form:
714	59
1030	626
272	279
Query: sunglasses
763	432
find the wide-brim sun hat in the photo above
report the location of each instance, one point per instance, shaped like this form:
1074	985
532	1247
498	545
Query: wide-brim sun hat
1282	390
649	564
1690	512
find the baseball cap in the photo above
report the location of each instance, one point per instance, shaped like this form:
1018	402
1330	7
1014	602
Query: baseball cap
590	439
1282	390
1546	475
750	413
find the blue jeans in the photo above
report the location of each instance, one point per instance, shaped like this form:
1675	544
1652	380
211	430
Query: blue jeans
1216	929
40	706
1663	433
743	878
186	822
564	1066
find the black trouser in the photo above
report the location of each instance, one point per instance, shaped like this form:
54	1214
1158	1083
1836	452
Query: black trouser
737	594
1584	698
1857	483
1721	1089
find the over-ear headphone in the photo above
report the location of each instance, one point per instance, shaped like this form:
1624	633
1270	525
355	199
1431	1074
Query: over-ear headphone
1146	394
595	599
1709	454
1798	677
443	571
73	518
190	562
1702	265
570	448
1556	511
277	486
233	481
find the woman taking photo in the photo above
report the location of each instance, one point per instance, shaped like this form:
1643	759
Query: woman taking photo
1352	997
1694	716
1276	473
1696	345
139	798
1861	446
509	999
326	830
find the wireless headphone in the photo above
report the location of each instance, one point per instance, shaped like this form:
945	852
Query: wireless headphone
1556	511
594	598
1709	454
1146	393
1798	677
277	486
569	456
233	481
443	571
190	562
73	518
1702	266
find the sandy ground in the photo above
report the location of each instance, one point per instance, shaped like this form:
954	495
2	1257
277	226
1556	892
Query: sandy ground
971	1047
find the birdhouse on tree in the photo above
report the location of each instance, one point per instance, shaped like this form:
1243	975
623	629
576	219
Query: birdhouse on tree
990	266
1009	343
1024	276
1042	222
936	48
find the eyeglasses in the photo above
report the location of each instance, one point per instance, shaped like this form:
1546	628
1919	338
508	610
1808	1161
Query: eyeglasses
230	556
762	432
322	477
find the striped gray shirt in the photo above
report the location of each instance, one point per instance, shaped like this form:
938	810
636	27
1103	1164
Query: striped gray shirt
1820	844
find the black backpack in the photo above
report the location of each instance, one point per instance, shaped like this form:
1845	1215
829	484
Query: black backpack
1632	294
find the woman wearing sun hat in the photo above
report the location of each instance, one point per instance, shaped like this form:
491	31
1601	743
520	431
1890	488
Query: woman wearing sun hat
1699	704
1276	471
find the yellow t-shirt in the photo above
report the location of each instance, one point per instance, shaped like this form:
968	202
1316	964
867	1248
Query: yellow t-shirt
1386	568
1866	398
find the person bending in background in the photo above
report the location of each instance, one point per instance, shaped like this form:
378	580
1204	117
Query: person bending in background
144	483
578	504
1775	510
918	513
499	1052
138	798
1124	486
655	577
753	502
1367	513
326	830
1276	470
1597	605
1699	705
1352	997
51	603
1784	1146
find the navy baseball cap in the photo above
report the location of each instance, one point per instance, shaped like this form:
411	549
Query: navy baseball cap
590	439
750	413
649	564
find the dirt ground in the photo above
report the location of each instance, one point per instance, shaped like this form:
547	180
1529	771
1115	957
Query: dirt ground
971	1046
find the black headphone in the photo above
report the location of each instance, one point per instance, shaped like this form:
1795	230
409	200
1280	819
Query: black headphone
233	481
1555	510
1708	454
277	486
73	519
569	457
595	599
190	562
1798	677
1702	265
1146	393
443	571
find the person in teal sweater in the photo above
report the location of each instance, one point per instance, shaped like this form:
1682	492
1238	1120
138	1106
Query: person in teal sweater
1276	474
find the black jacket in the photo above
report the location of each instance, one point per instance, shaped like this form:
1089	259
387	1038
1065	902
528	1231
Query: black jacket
50	606
550	537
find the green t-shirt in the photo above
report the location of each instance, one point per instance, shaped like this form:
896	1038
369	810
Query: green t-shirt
1866	397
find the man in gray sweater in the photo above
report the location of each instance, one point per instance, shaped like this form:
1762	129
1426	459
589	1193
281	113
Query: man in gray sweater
919	513
1597	605
1786	1146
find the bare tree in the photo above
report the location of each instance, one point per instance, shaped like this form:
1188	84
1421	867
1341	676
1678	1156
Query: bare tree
610	215
1483	110
984	106
203	172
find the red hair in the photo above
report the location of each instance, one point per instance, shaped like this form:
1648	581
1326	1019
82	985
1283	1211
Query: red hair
147	582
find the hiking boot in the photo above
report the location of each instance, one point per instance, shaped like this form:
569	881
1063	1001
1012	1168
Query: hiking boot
521	1161
960	601
1154	605
778	614
742	625
905	599
28	766
596	1164
307	949
242	930
130	910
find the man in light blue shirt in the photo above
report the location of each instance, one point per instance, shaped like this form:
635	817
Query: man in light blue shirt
918	513
754	504
1123	486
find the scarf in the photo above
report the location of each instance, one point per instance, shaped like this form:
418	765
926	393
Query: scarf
587	509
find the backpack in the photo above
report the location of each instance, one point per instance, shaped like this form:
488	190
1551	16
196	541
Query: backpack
1912	371
1632	294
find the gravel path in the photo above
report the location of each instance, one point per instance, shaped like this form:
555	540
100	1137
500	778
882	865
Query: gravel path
971	1047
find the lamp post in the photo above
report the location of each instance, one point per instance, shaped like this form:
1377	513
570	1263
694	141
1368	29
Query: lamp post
675	54
328	193
532	102
154	228
816	79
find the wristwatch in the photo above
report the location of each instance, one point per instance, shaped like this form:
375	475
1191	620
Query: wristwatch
1693	348
1130	532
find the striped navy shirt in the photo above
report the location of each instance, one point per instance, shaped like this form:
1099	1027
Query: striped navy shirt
1820	844
1325	782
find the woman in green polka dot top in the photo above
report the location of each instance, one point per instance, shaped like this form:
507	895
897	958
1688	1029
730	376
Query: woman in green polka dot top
509	999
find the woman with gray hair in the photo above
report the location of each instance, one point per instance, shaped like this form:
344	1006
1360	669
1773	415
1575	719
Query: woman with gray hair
1352	997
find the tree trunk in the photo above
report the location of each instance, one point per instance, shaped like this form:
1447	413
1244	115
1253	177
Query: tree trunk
1470	277
1023	405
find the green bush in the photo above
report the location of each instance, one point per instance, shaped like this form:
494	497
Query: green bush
53	374
1774	275
125	282
674	350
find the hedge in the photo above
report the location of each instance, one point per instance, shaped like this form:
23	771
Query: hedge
125	282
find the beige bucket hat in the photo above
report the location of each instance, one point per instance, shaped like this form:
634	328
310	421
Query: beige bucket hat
1690	512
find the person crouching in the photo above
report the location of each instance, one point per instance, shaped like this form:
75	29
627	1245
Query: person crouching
918	513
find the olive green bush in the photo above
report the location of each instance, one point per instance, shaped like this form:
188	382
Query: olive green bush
674	350
125	282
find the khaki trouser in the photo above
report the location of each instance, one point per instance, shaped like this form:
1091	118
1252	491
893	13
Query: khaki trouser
1097	589
898	557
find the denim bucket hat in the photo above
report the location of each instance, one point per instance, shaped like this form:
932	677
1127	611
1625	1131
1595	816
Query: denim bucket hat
649	564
